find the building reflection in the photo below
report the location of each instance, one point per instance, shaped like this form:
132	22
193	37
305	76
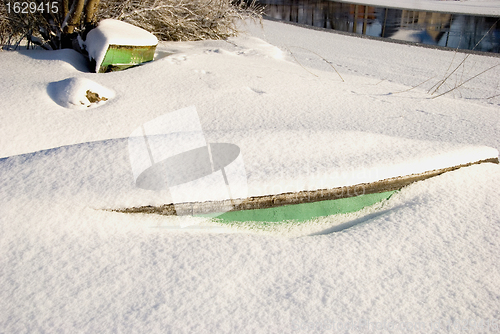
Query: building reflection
415	26
442	29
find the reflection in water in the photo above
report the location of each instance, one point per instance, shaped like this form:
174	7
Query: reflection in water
444	29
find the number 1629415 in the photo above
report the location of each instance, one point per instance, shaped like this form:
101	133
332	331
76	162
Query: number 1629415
32	7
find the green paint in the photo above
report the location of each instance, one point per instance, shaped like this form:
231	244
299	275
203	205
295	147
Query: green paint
303	211
120	57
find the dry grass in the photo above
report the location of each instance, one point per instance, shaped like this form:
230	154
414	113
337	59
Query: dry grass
36	28
174	20
5	30
181	20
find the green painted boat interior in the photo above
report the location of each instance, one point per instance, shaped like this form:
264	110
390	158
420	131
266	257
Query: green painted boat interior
120	57
302	211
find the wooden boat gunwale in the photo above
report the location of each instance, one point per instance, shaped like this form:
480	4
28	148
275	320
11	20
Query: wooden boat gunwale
291	198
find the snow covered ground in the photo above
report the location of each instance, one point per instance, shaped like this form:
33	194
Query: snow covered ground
425	259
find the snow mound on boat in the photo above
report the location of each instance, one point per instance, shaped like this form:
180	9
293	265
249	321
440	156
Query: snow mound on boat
79	93
114	32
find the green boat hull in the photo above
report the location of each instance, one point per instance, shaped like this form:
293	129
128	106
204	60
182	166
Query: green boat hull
120	57
302	211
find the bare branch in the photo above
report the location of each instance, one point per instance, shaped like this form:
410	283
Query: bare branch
91	10
168	19
461	84
74	16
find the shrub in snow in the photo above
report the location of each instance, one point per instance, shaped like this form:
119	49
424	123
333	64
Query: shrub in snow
179	20
52	24
57	24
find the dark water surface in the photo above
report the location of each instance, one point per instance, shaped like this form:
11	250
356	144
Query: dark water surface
472	32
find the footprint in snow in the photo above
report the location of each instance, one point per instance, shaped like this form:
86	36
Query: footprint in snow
256	90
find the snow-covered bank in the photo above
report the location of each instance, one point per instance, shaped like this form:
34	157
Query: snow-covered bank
479	7
432	257
429	255
293	97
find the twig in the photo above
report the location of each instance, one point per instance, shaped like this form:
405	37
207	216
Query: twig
466	81
407	90
326	61
297	61
463	61
491	97
449	66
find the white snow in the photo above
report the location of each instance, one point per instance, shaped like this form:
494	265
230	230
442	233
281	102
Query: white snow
115	32
428	256
478	7
72	93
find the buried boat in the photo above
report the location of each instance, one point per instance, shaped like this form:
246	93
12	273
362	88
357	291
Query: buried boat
297	206
170	154
115	45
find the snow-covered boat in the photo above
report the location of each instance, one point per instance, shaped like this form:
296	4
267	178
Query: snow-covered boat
299	206
115	45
